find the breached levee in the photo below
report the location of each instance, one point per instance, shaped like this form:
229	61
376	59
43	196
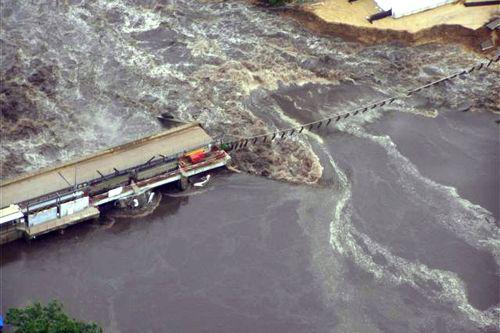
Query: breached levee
319	18
291	161
357	237
58	108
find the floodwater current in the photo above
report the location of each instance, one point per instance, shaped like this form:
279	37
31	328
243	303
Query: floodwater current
386	222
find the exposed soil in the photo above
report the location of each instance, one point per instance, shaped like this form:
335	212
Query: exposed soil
454	34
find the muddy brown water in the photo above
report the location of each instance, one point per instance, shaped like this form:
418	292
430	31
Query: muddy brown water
398	234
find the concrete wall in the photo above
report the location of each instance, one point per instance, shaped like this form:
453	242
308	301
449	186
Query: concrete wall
9	233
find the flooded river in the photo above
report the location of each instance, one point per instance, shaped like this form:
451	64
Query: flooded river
384	223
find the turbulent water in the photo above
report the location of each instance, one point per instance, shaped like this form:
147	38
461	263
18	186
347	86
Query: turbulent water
384	223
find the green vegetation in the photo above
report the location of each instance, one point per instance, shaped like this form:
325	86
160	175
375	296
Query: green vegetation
278	2
284	2
37	318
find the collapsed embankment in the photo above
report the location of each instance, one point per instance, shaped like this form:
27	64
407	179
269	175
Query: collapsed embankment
450	34
108	69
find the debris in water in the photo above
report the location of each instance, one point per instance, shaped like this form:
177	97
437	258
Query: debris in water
232	168
203	182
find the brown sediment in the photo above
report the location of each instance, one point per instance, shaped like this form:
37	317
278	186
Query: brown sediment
19	115
12	163
454	34
289	160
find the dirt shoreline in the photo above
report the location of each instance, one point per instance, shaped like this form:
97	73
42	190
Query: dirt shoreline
454	34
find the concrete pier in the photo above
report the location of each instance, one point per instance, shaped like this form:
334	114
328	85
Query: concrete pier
49	180
53	198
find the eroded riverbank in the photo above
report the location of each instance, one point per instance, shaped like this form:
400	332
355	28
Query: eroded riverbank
391	238
342	20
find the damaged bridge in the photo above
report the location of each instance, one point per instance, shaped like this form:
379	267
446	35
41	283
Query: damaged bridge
56	197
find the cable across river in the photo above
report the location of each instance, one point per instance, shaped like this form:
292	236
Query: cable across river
242	142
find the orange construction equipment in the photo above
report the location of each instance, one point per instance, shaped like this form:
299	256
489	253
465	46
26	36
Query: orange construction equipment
196	156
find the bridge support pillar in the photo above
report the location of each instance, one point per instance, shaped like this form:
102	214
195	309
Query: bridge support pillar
183	183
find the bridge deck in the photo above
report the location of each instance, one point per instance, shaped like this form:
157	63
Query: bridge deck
32	185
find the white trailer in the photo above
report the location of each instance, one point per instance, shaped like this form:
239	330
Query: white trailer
402	8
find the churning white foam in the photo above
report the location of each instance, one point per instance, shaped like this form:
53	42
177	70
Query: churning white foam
465	219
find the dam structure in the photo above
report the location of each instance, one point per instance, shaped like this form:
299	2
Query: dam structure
53	198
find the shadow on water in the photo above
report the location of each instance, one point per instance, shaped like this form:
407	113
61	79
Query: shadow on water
126	222
236	253
108	222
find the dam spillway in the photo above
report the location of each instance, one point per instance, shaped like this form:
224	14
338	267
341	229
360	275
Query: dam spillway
58	196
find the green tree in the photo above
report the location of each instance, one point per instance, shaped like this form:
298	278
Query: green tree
37	318
278	2
284	2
